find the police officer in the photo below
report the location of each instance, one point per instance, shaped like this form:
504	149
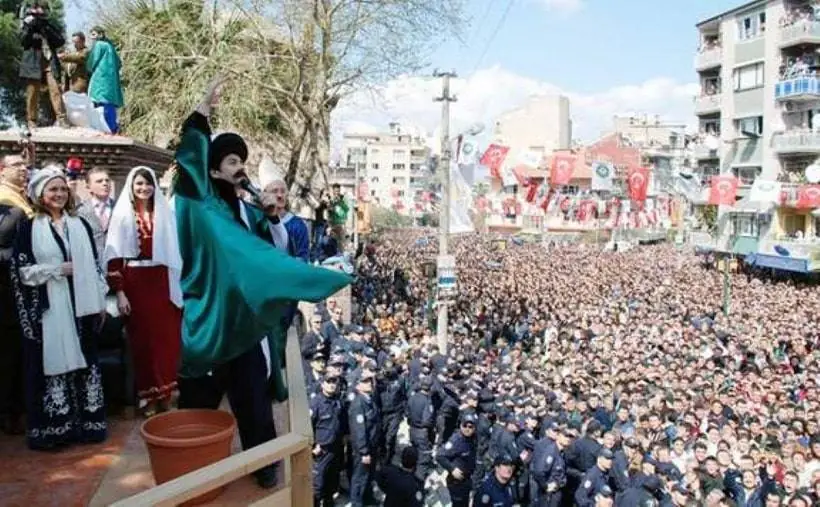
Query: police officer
421	417
313	376
495	490
582	455
594	480
620	464
400	485
642	493
484	426
326	419
458	457
549	472
393	395
364	422
605	497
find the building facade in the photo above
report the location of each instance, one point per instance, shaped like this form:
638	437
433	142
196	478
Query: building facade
542	125
758	119
394	164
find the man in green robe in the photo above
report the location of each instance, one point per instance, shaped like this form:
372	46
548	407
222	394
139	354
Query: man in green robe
236	285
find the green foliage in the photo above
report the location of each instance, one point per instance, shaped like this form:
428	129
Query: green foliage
171	52
708	216
481	188
12	89
430	220
388	218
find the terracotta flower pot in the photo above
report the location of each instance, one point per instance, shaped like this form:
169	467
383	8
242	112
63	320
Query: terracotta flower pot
182	441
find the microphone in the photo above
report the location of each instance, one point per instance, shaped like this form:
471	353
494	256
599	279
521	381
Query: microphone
248	187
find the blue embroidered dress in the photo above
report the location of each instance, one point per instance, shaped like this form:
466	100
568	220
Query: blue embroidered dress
64	408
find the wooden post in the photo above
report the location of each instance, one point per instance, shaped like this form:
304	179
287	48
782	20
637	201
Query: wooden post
301	485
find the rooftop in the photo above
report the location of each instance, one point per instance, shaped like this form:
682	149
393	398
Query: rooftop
731	12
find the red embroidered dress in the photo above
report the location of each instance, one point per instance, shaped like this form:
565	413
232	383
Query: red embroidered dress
154	325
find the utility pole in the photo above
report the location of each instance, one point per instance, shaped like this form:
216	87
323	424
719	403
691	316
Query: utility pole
444	219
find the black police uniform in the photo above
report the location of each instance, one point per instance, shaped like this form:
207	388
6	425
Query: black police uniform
365	432
549	474
421	417
393	395
326	414
459	453
401	487
592	483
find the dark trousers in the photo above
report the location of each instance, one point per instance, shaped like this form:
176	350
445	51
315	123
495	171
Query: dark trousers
422	440
459	491
244	379
445	427
326	469
361	482
11	357
390	430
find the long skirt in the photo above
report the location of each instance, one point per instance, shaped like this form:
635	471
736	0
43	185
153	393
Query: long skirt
67	408
154	331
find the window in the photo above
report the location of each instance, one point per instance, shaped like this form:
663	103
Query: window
399	181
398	167
746	225
374	179
399	154
711	127
751	26
748	76
751	126
374	166
747	175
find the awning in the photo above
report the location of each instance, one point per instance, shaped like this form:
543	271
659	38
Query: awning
781	263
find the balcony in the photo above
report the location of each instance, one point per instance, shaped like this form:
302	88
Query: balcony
797	141
702	152
709	58
802	32
706	104
804	88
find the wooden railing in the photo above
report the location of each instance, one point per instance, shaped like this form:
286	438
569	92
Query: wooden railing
294	447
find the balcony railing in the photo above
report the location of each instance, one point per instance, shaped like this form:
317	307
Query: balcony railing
707	103
798	88
294	448
797	141
709	58
702	152
802	32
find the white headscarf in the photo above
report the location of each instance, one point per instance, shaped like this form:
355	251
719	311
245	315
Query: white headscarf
38	181
123	243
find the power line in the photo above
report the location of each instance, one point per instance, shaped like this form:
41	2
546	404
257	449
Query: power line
494	34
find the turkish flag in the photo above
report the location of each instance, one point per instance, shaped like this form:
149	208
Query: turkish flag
723	191
808	196
493	159
563	164
638	183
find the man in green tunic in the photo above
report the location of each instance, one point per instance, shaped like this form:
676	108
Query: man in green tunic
104	88
236	285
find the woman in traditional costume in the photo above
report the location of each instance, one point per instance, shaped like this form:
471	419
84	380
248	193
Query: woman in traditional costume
144	266
60	293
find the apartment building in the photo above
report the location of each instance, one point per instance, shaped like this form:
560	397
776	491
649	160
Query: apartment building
758	119
541	125
394	163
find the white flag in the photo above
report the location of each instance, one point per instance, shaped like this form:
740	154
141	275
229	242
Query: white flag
765	192
468	154
602	173
461	201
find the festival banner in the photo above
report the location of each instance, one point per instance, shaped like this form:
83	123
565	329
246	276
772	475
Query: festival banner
808	197
688	185
638	183
461	202
561	169
765	191
602	173
468	152
493	159
723	191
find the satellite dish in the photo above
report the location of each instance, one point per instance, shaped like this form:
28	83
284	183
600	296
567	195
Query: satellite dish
712	143
813	173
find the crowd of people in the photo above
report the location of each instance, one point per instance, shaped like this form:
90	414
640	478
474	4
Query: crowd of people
571	377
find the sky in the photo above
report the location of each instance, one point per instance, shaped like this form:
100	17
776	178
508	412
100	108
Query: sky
608	56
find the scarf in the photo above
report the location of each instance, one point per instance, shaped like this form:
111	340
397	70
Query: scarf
89	287
12	196
123	242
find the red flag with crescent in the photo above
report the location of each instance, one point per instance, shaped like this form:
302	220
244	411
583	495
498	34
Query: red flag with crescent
563	164
808	196
493	159
723	191
638	183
